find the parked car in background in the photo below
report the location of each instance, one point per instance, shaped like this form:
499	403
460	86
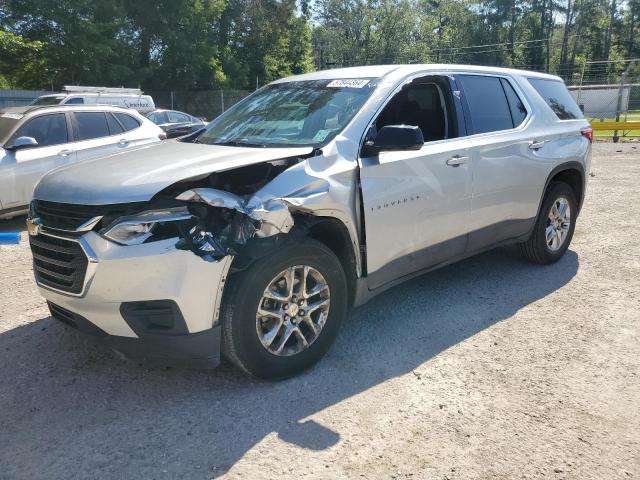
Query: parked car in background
174	123
119	97
36	139
253	238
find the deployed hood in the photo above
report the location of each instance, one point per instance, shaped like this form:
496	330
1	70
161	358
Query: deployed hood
138	174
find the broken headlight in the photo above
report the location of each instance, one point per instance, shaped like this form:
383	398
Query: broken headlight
148	226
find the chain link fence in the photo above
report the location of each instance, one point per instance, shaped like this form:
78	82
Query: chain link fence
18	98
604	105
608	93
204	104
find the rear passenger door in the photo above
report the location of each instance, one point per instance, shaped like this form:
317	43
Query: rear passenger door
508	163
97	134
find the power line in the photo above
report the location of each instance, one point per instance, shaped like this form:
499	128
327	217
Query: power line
490	45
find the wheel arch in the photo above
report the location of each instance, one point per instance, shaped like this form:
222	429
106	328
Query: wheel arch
334	234
571	173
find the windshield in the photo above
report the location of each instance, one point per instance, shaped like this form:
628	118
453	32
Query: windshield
307	113
48	100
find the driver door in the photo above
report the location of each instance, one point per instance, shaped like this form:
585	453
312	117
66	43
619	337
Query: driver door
21	169
417	203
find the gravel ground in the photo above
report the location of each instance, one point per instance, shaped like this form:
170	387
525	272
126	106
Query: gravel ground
490	368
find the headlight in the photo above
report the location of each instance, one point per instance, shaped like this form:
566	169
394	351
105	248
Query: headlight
154	224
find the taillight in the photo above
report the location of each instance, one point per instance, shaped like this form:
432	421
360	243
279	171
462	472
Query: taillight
587	133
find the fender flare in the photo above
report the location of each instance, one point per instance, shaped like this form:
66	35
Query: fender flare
572	165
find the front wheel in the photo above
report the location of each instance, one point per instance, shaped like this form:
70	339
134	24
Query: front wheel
554	226
281	315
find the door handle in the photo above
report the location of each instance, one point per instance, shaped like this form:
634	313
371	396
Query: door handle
536	144
123	142
457	160
65	153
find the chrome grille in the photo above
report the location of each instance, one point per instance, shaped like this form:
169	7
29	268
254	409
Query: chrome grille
70	216
64	216
58	263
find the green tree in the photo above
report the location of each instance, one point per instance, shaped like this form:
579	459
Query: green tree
22	64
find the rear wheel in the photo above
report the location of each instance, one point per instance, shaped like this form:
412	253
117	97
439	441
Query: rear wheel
554	226
282	314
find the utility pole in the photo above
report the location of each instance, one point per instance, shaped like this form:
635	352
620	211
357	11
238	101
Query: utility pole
619	106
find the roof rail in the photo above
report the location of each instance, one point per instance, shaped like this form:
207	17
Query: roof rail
80	89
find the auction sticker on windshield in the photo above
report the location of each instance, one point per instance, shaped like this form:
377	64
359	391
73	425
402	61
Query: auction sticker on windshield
348	83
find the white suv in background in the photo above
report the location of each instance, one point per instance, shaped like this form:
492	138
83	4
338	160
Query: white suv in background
34	140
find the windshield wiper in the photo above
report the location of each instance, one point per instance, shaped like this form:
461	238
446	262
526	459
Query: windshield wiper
236	143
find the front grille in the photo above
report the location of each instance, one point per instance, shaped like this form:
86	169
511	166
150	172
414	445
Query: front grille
65	216
58	263
69	216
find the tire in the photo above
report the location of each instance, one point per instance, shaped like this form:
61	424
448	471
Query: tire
242	330
537	249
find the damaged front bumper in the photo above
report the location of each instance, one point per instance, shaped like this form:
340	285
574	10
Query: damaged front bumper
149	300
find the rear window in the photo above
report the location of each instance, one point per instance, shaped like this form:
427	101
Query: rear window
48	100
557	97
91	125
488	106
127	121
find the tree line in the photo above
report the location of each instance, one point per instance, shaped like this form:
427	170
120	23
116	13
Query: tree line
238	44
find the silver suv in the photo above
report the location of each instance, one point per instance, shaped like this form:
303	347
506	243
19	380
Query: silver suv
36	139
253	238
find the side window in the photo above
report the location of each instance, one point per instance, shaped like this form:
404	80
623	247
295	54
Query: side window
46	129
114	126
75	101
91	125
557	97
176	117
517	108
127	121
488	107
422	104
155	118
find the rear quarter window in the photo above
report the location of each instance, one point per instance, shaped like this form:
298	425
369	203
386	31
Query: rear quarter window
557	97
127	121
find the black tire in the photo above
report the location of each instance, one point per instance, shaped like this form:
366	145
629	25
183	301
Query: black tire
240	342
535	249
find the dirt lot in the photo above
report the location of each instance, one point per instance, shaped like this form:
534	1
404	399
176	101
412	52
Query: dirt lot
491	368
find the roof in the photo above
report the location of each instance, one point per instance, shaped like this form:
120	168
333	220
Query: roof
379	71
61	108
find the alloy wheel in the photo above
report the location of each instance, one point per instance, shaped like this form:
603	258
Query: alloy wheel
293	310
558	224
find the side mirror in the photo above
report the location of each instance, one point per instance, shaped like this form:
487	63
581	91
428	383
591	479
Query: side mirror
396	138
22	142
